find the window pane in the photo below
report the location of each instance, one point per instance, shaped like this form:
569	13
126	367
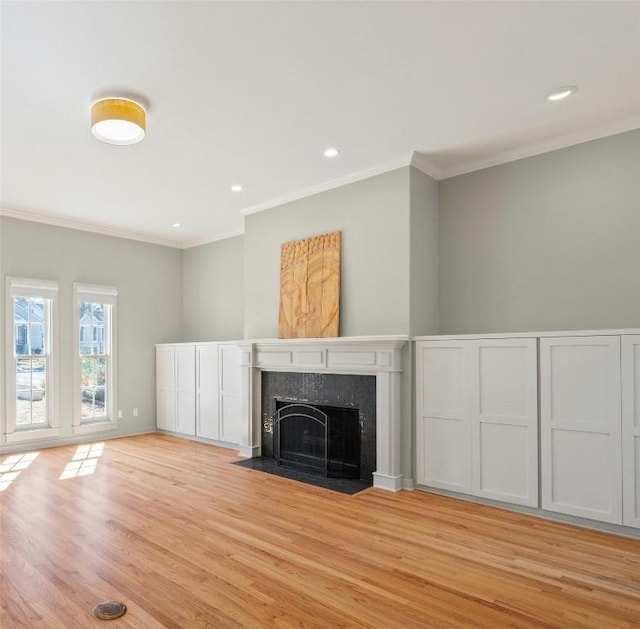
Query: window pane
98	314
21	309
38	406
93	362
31	378
21	337
85	314
23	412
98	340
93	404
93	372
85	339
36	338
88	402
36	309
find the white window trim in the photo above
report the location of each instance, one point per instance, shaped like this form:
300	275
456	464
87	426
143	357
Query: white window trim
107	295
46	289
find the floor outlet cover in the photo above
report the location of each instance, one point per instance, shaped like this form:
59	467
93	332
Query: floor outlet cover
109	610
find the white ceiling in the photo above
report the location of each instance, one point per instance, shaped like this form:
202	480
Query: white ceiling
253	92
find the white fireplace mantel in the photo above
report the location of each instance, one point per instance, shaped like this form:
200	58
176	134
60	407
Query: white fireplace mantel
380	356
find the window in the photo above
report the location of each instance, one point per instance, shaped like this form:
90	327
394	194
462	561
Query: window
95	382
31	359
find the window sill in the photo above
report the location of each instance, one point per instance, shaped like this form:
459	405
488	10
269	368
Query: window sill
93	427
20	436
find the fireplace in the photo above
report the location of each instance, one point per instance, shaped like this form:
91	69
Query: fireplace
377	359
318	439
320	423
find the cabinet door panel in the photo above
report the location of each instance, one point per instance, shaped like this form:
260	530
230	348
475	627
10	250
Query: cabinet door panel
207	392
229	419
165	388
504	419
230	393
581	426
631	428
186	389
166	410
165	368
443	428
186	418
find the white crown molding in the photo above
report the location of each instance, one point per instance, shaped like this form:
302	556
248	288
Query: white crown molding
206	241
34	217
566	140
329	185
425	165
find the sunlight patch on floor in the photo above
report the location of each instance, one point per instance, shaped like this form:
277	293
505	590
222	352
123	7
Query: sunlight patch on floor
11	467
84	461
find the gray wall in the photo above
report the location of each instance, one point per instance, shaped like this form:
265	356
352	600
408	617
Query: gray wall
373	216
423	309
149	282
212	290
551	242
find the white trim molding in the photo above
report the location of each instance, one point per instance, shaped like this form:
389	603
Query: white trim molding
369	355
86	226
47	290
107	295
360	175
426	165
548	145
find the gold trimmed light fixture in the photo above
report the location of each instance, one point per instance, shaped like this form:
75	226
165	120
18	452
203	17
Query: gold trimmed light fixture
118	121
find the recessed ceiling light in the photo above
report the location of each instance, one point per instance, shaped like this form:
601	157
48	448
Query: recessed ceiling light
332	152
118	121
560	93
176	225
236	188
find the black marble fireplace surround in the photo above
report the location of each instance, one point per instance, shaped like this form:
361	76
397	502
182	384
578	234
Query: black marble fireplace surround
326	390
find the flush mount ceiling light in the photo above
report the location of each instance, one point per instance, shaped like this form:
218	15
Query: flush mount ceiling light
560	93
331	152
176	225
118	121
236	188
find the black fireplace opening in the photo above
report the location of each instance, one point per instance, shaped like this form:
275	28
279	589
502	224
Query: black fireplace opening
318	439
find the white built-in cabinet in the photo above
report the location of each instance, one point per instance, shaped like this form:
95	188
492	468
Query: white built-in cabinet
477	424
198	390
580	426
477	420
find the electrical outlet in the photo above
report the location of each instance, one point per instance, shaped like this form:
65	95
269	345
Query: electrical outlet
135	412
119	414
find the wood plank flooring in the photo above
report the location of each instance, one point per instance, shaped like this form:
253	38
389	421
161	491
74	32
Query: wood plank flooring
186	539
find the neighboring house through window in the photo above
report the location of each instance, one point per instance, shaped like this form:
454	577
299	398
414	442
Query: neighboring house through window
32	361
95	368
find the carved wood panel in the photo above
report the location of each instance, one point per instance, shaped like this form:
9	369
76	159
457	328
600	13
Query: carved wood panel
310	287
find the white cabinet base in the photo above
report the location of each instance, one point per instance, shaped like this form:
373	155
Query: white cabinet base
477	430
581	427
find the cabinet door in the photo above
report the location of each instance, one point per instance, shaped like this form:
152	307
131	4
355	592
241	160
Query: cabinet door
443	445
504	420
165	389
631	429
207	392
230	393
186	389
581	426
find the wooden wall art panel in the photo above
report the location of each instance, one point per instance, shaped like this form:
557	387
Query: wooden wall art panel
310	287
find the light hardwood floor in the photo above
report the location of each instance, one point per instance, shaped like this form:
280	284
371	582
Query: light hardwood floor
186	539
